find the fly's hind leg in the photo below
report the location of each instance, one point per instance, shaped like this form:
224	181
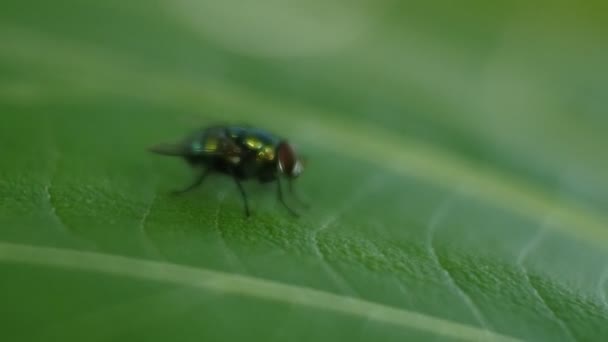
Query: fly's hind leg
197	182
243	195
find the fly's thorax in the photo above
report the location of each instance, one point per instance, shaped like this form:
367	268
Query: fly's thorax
261	146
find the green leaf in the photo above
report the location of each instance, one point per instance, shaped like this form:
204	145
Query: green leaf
456	171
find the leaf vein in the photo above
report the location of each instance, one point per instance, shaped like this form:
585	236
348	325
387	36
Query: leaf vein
433	225
220	282
370	186
534	242
601	287
143	231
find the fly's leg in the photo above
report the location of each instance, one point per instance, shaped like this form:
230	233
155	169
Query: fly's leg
282	200
197	182
243	195
296	197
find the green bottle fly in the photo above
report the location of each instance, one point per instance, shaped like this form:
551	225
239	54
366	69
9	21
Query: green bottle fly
240	152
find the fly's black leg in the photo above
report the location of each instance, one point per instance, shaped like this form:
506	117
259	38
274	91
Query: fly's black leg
243	195
197	182
282	200
296	197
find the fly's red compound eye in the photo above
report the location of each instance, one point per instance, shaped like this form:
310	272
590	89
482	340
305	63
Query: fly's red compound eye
289	164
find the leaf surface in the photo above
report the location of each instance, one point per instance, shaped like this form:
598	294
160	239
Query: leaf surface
456	176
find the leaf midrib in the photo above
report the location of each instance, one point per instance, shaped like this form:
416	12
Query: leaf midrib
217	281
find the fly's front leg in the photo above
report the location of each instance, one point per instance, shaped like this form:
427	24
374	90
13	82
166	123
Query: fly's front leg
282	200
295	195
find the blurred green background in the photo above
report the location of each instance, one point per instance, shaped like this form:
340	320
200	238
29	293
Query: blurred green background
457	162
